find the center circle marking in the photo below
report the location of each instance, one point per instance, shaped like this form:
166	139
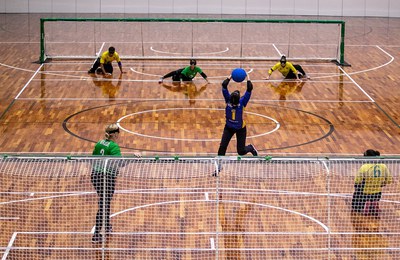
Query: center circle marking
119	122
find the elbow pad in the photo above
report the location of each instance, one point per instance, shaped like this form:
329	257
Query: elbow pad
225	83
249	86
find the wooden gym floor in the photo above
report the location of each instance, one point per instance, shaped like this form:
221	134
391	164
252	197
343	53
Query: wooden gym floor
338	112
57	108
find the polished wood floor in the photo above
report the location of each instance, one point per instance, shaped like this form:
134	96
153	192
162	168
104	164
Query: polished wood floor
63	110
253	210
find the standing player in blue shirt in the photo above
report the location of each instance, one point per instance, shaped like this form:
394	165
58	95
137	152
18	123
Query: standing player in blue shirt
234	119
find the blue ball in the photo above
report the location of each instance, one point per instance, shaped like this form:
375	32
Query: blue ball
238	74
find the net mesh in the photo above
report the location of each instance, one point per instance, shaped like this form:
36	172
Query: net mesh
187	38
193	208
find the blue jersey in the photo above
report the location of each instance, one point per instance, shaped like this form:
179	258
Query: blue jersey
234	114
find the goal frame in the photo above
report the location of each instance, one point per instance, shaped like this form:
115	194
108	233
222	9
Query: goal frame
340	59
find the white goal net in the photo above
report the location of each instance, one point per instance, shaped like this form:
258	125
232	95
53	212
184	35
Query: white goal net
239	39
193	208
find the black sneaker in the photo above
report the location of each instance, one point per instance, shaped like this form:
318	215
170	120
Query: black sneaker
97	238
99	71
91	71
216	172
254	151
109	229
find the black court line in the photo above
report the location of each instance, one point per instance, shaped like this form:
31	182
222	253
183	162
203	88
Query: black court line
325	135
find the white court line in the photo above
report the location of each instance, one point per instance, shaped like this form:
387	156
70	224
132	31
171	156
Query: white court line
197	99
101	49
234	191
370	69
205	233
378	67
166	52
322	225
120	122
26	85
9	246
277	50
42	198
362	90
156	75
206	195
9	218
212	243
197	79
185	249
63	75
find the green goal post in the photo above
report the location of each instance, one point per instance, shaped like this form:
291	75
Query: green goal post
201	38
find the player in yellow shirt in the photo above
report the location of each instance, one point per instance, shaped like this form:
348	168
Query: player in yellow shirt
288	70
105	63
370	179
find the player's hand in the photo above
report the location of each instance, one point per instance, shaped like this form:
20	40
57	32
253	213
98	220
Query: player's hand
108	75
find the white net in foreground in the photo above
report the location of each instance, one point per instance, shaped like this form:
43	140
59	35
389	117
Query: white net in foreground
174	208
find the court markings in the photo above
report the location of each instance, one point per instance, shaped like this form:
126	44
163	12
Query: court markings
202	53
120	120
326	230
80	77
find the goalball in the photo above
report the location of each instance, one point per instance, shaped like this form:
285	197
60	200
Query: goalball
238	74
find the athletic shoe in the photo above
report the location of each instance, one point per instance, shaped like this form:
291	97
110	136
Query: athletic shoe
216	172
109	229
97	238
254	151
99	71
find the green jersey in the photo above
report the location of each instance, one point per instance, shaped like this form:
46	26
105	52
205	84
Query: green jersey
106	148
191	73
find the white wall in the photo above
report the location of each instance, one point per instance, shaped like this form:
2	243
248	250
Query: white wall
383	8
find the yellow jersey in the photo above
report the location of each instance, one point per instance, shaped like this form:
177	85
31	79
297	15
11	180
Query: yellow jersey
106	58
284	70
375	175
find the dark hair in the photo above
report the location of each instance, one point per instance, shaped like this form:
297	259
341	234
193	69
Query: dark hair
193	62
371	152
235	97
111	49
283	59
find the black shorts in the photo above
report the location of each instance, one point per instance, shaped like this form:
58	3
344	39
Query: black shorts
373	197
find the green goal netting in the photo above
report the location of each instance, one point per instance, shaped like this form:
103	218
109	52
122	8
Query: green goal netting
174	38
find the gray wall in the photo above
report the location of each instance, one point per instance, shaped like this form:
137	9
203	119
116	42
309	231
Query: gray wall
382	8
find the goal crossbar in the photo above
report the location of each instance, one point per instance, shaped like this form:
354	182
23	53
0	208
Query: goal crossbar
201	38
